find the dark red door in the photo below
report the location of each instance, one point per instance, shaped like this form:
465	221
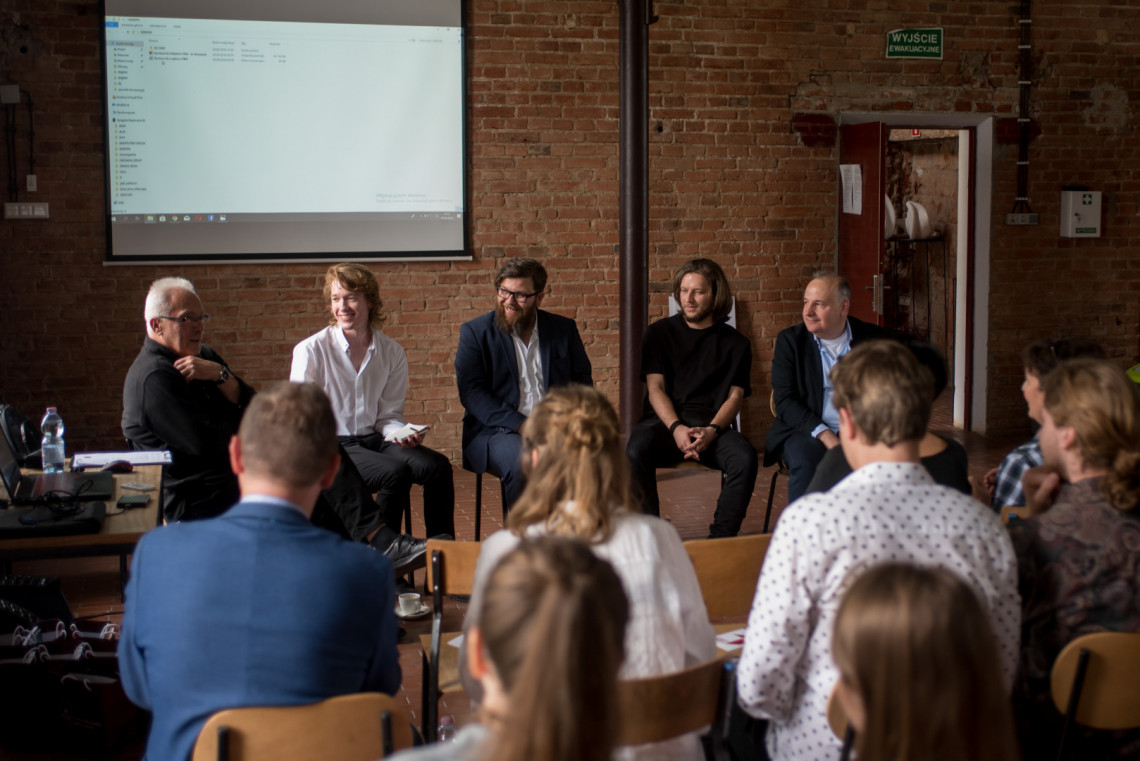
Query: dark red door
861	246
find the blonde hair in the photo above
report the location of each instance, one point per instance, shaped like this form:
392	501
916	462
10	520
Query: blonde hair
577	437
553	623
887	391
918	648
358	278
1098	401
288	433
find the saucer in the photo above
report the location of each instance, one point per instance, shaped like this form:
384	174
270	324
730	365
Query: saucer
423	611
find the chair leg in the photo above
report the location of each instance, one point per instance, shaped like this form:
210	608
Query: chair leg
223	743
503	499
771	495
386	744
478	505
425	681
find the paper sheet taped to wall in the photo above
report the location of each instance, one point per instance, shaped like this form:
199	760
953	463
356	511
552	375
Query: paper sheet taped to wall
851	176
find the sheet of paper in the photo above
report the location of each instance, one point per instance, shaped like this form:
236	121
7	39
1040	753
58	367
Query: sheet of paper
405	432
851	176
99	459
457	642
730	641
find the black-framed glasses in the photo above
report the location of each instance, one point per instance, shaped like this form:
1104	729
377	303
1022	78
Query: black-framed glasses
186	318
520	298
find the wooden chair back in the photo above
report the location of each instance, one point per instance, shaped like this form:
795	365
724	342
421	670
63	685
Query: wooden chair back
1014	512
359	727
456	568
727	571
662	707
1096	681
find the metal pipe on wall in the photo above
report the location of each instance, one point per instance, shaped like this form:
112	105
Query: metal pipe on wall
633	212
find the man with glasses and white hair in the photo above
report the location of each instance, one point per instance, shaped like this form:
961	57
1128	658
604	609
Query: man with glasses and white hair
180	395
507	359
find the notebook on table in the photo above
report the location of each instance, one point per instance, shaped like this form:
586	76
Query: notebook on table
24	489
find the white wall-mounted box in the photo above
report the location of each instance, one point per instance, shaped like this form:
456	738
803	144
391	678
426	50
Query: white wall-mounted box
1080	213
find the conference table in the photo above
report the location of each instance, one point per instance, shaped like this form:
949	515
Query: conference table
119	534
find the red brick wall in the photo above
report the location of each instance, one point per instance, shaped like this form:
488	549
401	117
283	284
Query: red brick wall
729	179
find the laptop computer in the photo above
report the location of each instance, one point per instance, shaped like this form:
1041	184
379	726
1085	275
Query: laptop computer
31	489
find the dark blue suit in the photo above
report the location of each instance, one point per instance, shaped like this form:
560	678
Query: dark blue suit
487	372
797	389
254	607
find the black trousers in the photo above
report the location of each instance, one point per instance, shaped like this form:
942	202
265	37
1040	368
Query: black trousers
390	470
651	446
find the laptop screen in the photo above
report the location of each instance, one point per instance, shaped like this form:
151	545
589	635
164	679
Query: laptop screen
9	468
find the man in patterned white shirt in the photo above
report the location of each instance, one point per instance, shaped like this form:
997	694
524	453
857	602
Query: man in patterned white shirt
888	509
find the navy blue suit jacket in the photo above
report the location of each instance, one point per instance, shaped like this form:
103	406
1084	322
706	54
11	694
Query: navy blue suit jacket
254	607
488	376
797	382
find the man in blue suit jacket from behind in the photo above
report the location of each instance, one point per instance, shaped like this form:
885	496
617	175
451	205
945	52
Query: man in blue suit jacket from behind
258	606
507	360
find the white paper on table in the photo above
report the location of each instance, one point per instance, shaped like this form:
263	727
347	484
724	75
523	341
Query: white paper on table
457	642
851	176
405	432
730	641
99	459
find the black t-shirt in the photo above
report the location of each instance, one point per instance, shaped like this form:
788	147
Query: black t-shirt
700	366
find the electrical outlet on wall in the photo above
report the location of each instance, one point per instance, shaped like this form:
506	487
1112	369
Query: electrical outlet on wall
32	184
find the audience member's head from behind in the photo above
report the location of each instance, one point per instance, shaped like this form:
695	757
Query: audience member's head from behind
827	302
1041	357
174	316
702	292
884	397
520	286
547	652
353	295
572	453
920	674
286	446
1091	427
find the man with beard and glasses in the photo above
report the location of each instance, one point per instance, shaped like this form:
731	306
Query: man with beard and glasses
507	360
696	370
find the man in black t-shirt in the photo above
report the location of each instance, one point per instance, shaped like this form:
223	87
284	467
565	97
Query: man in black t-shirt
696	371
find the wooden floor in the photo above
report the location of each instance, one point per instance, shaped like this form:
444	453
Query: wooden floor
688	498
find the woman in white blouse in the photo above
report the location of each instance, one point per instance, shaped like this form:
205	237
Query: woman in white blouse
578	485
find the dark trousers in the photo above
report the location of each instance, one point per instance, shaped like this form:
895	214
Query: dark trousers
347	506
802	453
390	470
504	461
651	446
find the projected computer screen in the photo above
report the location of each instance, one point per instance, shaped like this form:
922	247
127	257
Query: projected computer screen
284	130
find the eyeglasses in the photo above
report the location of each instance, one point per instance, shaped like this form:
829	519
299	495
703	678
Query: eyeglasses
520	298
186	318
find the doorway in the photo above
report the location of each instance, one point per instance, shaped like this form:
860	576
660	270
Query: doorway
933	286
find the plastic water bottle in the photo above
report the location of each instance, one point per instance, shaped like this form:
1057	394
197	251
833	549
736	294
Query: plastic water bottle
446	731
51	448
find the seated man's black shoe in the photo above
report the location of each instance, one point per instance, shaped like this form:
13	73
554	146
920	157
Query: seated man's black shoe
405	552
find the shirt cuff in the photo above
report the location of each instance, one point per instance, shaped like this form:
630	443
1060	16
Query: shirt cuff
819	429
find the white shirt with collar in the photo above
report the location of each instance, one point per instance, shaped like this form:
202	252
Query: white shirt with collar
830	350
883	512
529	359
365	402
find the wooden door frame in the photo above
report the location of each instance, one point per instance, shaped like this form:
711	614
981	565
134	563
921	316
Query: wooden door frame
971	321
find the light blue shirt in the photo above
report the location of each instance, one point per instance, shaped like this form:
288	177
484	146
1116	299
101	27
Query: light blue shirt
830	415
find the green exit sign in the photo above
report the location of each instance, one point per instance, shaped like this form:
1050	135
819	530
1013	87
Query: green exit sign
914	43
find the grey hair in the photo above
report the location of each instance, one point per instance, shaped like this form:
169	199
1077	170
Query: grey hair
158	297
842	287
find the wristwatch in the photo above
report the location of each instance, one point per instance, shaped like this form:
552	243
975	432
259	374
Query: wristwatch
223	376
716	428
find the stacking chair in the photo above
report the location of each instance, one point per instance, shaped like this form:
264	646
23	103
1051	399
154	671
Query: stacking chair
1013	513
660	708
727	571
450	571
1095	683
837	720
359	727
479	505
781	468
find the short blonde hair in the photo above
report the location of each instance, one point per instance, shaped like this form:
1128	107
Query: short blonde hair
577	437
887	391
288	433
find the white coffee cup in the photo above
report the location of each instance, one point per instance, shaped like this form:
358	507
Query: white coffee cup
409	603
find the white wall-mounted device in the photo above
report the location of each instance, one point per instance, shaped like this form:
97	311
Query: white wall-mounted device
1080	213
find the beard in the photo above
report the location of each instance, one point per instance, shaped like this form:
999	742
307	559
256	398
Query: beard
521	324
698	317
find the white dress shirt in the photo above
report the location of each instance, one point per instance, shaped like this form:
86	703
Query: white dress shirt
668	628
530	371
883	512
364	402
